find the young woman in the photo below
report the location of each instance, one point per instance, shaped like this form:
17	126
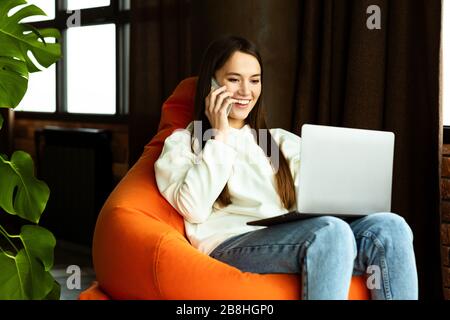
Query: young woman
225	169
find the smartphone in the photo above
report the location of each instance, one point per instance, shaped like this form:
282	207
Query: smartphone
215	85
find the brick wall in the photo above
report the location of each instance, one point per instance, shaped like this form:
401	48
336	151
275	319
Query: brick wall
24	139
445	217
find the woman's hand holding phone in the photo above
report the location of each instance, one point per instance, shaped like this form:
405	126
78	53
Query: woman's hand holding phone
217	107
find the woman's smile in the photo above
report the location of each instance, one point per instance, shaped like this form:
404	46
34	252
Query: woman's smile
242	103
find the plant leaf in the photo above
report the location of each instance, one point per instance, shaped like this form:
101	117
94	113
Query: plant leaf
10	282
22	194
1	121
40	243
23	277
13	81
55	294
17	39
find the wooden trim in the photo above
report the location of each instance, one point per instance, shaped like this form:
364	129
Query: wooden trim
72	117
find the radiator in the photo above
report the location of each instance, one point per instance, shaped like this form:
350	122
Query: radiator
77	166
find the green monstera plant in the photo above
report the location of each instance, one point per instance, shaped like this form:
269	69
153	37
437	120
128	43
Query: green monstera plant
25	258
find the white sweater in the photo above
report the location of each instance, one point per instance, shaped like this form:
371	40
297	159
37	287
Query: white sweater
192	184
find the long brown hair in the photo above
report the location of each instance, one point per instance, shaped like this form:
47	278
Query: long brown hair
215	58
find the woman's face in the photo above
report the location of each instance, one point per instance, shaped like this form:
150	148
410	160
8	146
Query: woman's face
242	76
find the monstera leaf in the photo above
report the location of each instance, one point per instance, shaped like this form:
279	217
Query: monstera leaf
17	40
26	275
13	81
21	193
26	258
25	270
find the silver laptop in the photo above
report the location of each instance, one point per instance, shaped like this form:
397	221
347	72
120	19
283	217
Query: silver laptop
344	172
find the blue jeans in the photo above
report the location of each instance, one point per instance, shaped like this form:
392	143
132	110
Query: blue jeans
327	251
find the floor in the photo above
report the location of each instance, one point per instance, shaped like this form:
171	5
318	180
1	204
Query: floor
72	268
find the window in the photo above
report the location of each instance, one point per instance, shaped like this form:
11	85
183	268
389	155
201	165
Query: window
91	51
41	93
85	4
92	76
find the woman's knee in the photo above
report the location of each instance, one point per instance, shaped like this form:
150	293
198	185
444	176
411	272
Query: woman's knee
391	225
336	234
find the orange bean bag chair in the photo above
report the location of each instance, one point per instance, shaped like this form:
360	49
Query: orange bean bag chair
140	250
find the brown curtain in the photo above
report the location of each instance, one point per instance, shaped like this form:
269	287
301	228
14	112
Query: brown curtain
386	79
159	60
